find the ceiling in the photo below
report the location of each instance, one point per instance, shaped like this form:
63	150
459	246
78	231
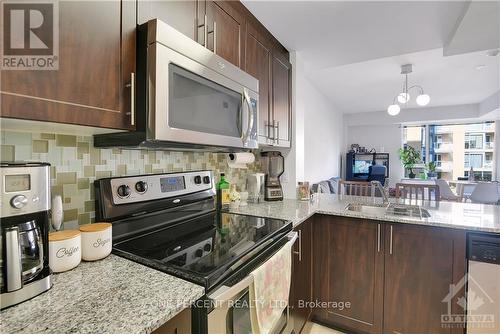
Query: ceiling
353	50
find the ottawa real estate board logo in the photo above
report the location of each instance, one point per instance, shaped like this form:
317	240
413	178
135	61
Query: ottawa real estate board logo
30	35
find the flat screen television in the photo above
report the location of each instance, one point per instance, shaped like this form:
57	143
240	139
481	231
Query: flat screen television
361	166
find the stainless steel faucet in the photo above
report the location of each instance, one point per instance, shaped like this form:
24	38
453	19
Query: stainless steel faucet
382	190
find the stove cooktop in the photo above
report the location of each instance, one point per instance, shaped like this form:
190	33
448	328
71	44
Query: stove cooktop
204	249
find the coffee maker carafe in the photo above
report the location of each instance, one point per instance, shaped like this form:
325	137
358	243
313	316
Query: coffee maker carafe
273	165
25	208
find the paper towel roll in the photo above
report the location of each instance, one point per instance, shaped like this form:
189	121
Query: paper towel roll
240	160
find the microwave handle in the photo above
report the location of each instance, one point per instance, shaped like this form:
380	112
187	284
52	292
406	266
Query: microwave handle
13	259
251	117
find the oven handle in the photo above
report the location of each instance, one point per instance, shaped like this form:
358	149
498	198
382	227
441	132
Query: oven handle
226	292
246	99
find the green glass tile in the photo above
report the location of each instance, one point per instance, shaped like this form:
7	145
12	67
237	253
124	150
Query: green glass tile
83	219
116	151
148	169
66	178
83	183
8	153
40	146
65	140
56	190
102	174
48	136
89	206
67	200
121	170
88	171
70	215
95	156
82	148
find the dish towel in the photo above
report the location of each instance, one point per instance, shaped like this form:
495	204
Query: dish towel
270	290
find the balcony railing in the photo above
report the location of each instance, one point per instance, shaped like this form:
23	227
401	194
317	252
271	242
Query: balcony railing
488	145
443	147
444	166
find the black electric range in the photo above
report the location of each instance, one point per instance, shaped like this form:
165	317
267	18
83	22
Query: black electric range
169	222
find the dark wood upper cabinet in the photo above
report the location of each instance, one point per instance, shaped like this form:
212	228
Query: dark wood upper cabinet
258	64
281	100
96	59
301	287
420	265
349	267
181	15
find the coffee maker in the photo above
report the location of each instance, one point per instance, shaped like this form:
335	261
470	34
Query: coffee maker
273	165
25	208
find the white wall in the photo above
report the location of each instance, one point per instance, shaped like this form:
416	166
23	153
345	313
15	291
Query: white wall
317	133
388	137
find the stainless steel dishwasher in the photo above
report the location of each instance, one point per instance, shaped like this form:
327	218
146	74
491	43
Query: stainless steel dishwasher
483	284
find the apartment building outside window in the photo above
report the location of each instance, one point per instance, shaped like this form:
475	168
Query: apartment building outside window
455	148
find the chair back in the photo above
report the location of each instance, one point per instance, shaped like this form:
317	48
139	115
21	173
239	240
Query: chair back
356	188
377	173
485	192
417	191
445	191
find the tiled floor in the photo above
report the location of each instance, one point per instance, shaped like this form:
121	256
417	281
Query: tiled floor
313	328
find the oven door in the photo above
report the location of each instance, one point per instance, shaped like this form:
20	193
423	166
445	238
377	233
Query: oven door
232	311
195	104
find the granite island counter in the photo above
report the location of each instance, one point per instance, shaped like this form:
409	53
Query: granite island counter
467	216
113	295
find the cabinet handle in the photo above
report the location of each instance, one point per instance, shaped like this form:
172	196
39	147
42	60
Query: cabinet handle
299	253
378	238
215	37
205	31
131	85
390	242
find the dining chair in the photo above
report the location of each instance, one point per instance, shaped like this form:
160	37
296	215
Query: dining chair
445	191
418	191
485	193
356	188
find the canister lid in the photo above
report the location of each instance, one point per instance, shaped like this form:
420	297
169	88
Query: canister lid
63	235
95	227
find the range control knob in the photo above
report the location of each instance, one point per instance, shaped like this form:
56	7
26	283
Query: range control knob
141	187
197	179
18	201
206	179
199	252
207	247
123	191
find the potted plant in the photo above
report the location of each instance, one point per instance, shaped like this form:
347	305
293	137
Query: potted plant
431	170
409	157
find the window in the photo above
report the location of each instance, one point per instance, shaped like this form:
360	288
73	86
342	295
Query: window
480	176
473	141
415	137
474	160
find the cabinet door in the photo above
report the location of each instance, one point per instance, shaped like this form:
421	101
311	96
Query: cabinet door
225	31
96	59
258	65
181	15
301	291
281	100
421	263
349	268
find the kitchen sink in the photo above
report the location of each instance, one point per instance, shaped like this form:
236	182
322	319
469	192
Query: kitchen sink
391	209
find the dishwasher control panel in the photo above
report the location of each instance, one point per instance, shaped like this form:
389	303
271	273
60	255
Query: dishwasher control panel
484	248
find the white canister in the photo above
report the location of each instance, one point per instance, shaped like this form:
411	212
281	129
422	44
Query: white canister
64	250
96	241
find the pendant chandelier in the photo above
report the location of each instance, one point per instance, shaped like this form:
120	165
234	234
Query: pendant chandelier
404	97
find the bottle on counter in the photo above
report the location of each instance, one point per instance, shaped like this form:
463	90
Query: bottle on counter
223	190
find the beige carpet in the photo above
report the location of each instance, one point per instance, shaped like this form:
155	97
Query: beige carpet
313	328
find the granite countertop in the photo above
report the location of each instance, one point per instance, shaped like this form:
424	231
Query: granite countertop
468	216
113	295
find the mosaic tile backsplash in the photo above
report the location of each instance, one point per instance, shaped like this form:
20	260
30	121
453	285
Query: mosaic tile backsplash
75	164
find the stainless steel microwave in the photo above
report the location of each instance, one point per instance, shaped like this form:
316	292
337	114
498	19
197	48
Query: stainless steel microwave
187	97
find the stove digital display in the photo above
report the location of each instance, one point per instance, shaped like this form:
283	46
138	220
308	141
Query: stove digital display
168	184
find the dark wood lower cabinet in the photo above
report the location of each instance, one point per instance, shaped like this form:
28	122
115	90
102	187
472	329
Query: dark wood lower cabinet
349	273
301	287
395	276
420	264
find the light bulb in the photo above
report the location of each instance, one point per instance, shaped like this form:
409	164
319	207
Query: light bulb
403	97
423	99
393	109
